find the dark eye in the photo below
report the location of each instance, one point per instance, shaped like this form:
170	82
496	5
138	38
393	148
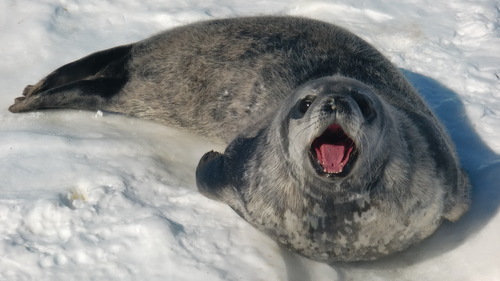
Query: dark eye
365	105
305	103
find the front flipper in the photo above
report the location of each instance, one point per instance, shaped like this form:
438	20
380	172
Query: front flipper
210	176
459	200
218	179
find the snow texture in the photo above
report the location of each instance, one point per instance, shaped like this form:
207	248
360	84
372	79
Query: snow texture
87	196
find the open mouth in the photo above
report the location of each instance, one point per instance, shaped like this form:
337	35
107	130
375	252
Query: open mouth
333	152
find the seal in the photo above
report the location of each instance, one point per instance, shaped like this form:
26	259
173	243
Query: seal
331	152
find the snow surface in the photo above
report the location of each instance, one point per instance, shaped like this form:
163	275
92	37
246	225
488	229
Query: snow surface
90	197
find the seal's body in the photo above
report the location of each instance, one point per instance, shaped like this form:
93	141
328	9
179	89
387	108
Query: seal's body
330	151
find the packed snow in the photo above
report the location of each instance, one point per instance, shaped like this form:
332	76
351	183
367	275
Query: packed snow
91	196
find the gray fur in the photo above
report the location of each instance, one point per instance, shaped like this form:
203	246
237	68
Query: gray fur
243	81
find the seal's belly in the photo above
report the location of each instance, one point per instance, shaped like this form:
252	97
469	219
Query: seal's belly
365	234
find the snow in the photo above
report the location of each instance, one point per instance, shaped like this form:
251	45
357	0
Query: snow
87	196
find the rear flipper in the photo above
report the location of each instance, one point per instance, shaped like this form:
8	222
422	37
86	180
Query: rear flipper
84	94
87	83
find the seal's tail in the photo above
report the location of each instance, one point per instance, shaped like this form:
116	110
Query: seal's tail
83	84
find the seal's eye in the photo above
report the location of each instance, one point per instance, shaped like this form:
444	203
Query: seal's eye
305	103
365	105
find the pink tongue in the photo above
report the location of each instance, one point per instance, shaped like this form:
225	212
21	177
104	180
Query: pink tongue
333	157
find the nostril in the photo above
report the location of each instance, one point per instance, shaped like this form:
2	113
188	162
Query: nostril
332	104
365	106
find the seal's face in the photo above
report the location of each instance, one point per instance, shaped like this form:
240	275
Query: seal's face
332	121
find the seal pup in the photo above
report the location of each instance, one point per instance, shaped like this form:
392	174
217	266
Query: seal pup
331	151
